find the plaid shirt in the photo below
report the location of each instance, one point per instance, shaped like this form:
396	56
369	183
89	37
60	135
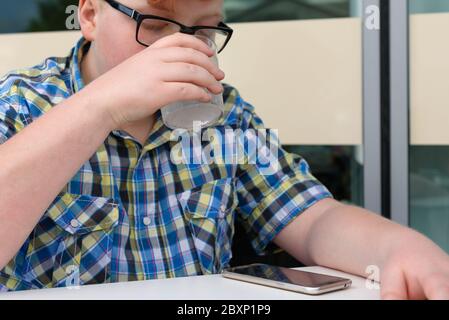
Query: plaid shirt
130	213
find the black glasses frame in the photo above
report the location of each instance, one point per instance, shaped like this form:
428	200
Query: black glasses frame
139	18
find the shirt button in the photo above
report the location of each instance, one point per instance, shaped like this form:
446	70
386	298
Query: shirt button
74	223
223	208
147	221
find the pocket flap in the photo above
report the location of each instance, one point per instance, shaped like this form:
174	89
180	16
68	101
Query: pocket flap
83	213
213	200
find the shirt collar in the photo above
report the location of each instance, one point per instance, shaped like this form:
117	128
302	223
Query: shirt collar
78	53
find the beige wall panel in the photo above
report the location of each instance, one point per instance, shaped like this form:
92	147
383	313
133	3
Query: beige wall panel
429	84
303	77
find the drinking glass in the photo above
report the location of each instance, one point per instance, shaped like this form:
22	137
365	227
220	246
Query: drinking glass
183	114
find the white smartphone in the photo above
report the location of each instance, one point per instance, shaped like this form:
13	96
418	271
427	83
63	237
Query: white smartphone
287	279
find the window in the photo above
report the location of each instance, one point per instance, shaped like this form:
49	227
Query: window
50	15
269	10
429	145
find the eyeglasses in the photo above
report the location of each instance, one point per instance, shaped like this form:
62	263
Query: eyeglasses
151	28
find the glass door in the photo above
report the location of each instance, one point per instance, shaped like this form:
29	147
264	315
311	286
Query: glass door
429	133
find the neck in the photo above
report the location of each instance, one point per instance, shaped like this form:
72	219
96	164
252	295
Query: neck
89	71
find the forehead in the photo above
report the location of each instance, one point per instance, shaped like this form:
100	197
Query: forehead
165	5
183	10
183	5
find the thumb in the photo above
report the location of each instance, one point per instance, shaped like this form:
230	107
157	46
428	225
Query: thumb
393	284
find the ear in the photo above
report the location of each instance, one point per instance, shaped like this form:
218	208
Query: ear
88	11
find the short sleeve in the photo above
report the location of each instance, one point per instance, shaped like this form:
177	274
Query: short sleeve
273	190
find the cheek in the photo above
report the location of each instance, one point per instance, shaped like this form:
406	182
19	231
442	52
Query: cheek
115	45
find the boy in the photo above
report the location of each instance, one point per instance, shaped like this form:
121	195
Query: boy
90	125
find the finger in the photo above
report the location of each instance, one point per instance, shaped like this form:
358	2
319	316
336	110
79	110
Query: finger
184	41
393	285
185	72
436	288
182	91
191	56
441	293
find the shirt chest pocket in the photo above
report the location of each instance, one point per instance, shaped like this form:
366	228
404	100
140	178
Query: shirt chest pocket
209	213
72	243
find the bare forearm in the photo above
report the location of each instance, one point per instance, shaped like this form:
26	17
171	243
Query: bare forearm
38	162
351	239
346	238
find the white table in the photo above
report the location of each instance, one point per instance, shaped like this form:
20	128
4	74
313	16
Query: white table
213	287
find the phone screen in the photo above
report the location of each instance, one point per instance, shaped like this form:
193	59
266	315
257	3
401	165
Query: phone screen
281	274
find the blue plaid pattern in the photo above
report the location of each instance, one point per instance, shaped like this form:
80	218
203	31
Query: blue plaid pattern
130	213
